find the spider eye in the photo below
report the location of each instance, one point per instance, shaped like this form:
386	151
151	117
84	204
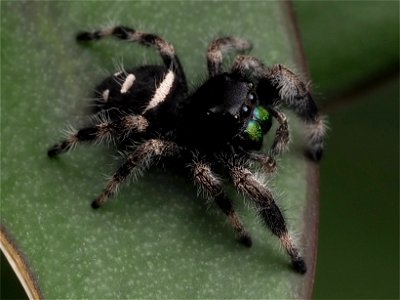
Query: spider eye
251	97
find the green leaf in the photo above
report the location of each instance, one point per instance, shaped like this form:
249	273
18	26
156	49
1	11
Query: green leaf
156	239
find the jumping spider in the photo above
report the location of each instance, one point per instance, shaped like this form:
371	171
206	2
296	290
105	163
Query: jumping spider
217	128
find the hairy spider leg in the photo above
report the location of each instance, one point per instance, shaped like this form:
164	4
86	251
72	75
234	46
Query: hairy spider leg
135	164
291	92
105	130
268	210
267	162
165	49
212	188
248	66
281	140
219	47
297	97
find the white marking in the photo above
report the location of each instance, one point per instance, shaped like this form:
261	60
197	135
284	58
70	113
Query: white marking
105	95
118	73
162	91
127	83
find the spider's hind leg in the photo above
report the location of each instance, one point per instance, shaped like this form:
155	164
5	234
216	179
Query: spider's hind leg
164	48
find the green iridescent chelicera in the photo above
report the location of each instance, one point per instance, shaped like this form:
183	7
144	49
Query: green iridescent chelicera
255	126
261	114
254	130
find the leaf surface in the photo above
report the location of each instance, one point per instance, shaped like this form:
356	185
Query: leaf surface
156	239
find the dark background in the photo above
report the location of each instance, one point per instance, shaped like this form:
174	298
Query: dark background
353	54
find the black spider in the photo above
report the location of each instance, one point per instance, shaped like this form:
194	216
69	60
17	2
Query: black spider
217	128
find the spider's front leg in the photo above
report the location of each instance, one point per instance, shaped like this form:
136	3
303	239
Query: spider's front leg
267	162
280	86
135	164
104	130
281	140
219	47
295	95
268	210
212	187
164	48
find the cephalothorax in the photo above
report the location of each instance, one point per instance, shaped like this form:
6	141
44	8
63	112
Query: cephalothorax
219	127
